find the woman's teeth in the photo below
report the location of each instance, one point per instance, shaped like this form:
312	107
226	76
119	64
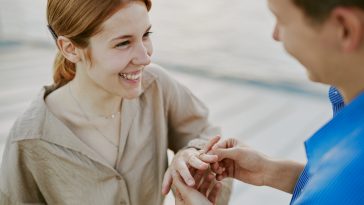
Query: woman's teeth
130	76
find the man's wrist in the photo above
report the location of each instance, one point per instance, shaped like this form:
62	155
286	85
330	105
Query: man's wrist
282	175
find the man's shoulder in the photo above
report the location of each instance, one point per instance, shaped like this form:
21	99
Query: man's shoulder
337	176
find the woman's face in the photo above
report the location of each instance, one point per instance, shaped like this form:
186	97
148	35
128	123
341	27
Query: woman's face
120	52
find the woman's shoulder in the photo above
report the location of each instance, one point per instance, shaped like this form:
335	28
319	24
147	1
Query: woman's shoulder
29	124
159	75
155	72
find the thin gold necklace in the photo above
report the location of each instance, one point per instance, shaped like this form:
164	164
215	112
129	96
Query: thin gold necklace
88	119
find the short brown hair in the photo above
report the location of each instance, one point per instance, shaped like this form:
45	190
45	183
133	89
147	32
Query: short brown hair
319	10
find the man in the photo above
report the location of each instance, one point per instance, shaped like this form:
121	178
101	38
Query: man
327	37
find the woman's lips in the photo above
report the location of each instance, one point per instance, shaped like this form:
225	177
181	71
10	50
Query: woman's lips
135	75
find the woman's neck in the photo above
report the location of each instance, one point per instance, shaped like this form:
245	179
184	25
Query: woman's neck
94	100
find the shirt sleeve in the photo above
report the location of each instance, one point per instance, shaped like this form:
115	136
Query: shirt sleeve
187	116
188	124
17	185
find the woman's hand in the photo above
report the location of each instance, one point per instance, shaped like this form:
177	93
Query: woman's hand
203	193
186	159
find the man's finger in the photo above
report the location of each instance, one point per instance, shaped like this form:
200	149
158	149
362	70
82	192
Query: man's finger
228	143
208	158
229	153
215	167
220	177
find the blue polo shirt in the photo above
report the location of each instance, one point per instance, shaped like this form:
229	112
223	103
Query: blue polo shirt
334	173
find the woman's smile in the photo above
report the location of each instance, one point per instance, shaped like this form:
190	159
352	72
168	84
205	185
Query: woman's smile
131	77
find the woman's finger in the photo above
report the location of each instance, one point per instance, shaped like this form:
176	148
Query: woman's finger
197	163
178	197
167	182
193	171
178	183
206	184
189	195
198	178
185	173
210	144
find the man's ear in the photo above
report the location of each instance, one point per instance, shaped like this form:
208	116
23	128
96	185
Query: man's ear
68	49
351	28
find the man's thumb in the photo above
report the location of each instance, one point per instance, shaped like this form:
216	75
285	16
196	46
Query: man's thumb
231	153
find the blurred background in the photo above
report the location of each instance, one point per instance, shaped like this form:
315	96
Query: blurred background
222	50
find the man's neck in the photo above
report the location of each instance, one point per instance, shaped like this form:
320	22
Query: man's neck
350	90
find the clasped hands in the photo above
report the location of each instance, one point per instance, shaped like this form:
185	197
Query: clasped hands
195	176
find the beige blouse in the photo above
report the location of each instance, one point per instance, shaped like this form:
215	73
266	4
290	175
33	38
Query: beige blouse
45	163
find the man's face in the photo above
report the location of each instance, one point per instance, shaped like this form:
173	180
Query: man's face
309	43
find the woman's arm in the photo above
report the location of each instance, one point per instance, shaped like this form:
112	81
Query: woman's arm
17	184
188	130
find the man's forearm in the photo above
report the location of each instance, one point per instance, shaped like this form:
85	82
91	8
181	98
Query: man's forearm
282	175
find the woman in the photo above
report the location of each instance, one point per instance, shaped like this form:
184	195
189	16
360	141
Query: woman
100	133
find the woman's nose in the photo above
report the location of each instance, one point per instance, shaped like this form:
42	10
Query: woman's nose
141	55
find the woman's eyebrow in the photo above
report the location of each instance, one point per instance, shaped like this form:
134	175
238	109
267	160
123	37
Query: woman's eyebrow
129	36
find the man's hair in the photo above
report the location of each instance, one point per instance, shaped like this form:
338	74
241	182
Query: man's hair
319	10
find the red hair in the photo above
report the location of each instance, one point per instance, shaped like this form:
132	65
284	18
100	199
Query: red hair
78	20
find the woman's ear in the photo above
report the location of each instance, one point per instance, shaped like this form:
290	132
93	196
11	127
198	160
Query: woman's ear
68	49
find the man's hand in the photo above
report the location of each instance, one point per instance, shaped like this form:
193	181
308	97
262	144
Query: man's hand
245	164
239	162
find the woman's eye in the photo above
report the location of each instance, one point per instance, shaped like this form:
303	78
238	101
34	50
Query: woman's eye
147	34
122	44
